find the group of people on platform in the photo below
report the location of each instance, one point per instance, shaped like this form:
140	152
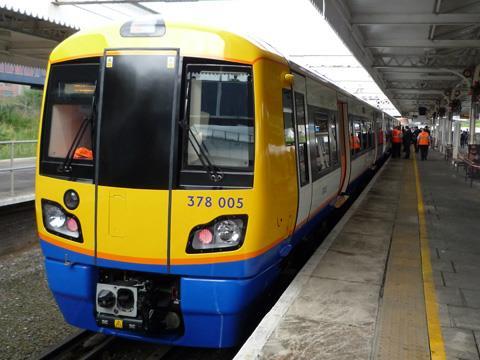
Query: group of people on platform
420	138
464	136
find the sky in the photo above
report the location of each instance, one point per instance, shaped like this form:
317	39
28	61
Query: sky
296	29
293	27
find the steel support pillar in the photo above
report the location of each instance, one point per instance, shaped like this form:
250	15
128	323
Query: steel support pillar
449	128
456	139
443	126
434	133
473	118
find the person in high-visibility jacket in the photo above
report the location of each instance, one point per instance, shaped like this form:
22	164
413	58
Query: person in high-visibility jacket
423	141
396	141
355	143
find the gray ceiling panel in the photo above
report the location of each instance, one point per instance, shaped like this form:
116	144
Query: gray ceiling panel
417	50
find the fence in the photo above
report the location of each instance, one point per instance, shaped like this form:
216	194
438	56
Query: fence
11	144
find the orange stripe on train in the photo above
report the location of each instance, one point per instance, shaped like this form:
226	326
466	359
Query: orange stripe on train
194	259
153	261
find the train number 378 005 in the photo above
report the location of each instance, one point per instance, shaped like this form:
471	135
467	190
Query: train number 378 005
221	202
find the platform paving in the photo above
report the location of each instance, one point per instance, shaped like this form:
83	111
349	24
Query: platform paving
335	313
363	295
452	213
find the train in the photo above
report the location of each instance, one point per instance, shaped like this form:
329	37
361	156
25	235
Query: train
178	165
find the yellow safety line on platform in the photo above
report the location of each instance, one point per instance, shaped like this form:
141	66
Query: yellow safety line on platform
437	346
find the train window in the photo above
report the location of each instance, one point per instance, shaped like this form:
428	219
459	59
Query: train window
302	138
67	136
70	114
321	148
288	117
136	124
219	119
364	135
333	139
379	133
356	137
371	141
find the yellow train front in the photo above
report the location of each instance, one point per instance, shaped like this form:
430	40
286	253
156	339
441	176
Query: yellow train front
178	165
165	198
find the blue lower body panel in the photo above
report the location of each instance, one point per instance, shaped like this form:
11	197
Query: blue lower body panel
215	299
214	311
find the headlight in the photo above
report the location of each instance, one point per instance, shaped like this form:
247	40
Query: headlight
228	231
55	217
222	234
58	222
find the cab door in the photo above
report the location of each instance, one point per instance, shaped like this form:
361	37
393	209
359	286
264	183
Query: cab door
135	160
303	163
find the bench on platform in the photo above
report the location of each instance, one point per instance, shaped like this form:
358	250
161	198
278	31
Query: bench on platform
448	152
459	161
472	170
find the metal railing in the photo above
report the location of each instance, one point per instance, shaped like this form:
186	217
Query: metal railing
12	169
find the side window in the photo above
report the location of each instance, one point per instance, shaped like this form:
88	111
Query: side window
302	138
356	137
333	139
364	135
371	140
288	117
379	131
321	142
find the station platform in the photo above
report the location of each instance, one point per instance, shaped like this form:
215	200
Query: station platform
397	278
23	181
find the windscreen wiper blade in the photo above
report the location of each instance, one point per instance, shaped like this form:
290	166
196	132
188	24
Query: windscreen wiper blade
201	151
66	166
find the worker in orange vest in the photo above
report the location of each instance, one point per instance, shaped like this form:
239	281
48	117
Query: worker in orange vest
355	143
396	141
83	153
423	141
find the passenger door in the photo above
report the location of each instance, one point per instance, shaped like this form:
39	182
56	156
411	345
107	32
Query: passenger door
345	149
304	172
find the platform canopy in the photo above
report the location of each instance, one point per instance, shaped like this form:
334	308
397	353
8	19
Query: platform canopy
27	38
420	52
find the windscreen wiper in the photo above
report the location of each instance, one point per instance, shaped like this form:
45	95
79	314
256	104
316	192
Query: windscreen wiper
201	151
66	166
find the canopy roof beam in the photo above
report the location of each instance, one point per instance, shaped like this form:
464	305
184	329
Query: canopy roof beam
399	76
418	69
418	43
415	19
417	91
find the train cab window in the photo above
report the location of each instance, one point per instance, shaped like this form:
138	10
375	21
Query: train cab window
67	135
218	124
288	117
302	138
321	153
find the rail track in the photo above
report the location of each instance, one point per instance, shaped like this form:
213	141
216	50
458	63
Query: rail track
86	345
17	226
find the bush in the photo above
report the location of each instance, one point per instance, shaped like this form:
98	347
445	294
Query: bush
19	118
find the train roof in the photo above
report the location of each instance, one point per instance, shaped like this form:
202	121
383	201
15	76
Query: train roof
193	39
